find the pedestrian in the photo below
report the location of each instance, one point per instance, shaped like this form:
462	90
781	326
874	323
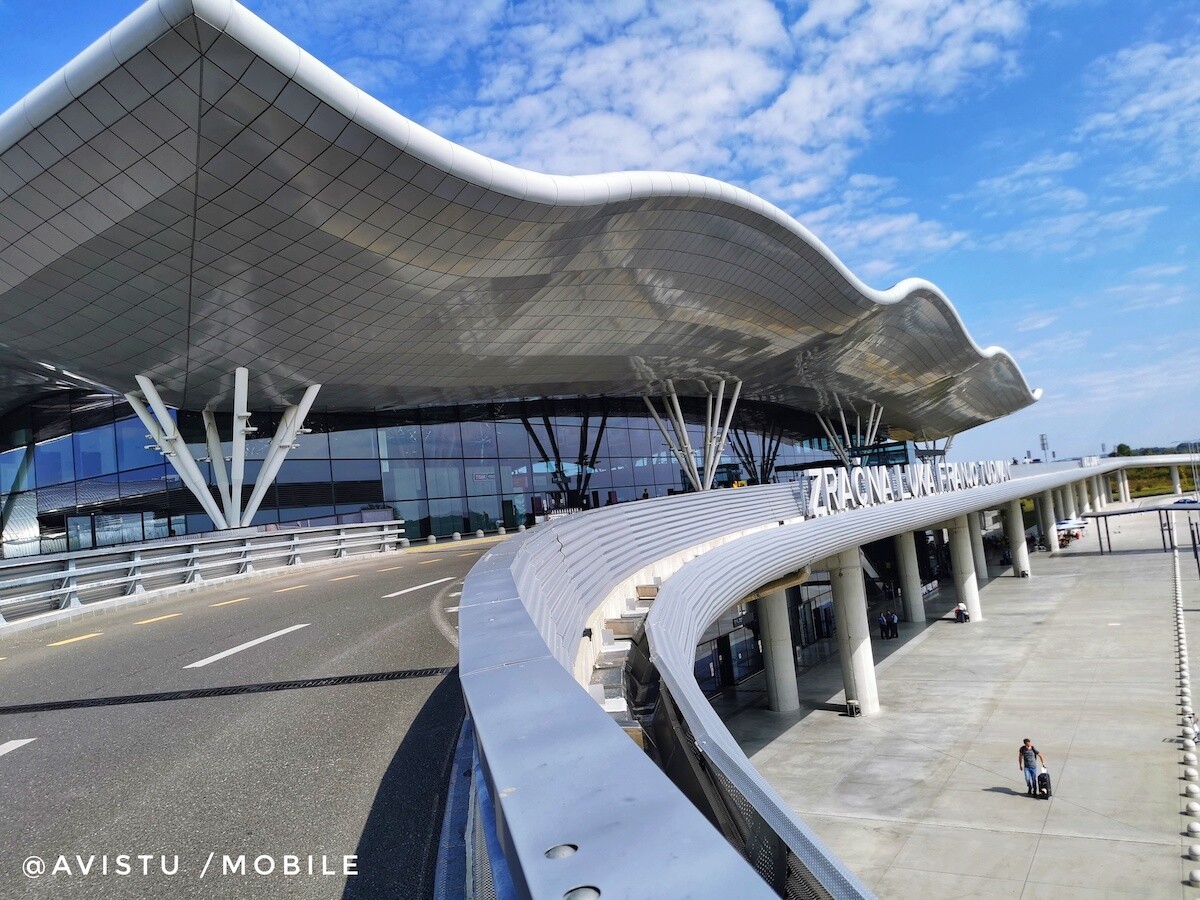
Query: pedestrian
960	612
883	626
894	621
1028	759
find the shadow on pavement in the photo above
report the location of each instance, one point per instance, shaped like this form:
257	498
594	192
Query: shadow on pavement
397	852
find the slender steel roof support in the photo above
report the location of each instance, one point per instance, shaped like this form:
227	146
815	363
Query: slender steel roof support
241	425
685	463
834	443
216	458
712	449
284	440
172	445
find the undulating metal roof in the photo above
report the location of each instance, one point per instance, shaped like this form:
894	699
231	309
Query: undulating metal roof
194	192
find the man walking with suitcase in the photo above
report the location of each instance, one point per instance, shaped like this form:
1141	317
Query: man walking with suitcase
1028	759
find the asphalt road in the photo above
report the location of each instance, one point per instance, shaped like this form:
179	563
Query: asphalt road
301	777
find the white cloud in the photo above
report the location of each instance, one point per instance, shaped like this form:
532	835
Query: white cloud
1034	186
1079	234
1036	321
868	228
1143	295
1146	104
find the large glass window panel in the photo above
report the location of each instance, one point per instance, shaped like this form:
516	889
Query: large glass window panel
134	448
400	442
415	514
447	516
118	528
19	524
483	478
442	441
79	533
146	481
95	491
643	443
483	513
444	477
512	439
304	471
156	525
478	440
403	479
616	442
355	470
516	476
96	452
516	510
360	443
308	446
16	470
55	461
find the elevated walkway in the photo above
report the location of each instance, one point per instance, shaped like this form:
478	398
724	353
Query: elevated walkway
926	799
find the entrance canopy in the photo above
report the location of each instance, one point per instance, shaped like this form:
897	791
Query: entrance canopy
194	193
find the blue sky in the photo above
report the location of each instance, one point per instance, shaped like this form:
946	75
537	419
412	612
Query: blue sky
1039	161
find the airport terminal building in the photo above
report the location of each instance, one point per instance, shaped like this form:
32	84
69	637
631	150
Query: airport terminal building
236	290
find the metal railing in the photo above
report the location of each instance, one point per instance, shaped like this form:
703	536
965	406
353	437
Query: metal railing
576	802
32	585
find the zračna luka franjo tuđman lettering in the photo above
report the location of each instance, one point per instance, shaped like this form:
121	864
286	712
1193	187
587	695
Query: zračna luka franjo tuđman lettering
833	490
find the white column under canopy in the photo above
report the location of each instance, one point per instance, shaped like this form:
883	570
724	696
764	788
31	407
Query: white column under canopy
977	549
962	562
1014	531
1046	517
853	630
718	416
153	412
910	578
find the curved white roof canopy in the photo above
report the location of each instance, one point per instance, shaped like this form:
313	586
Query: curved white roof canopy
194	192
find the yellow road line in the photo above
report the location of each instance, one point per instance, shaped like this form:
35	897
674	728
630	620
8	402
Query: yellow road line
426	562
157	619
227	602
82	637
390	569
343	577
294	587
472	553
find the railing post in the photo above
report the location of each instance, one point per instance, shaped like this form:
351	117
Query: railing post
341	544
295	551
193	575
135	575
70	585
245	566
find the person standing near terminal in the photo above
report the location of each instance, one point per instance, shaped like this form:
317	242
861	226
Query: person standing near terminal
1028	759
883	626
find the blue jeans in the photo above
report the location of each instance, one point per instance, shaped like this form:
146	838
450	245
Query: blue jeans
1031	774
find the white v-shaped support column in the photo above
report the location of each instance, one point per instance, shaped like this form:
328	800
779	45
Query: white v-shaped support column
171	444
285	438
229	513
845	445
715	432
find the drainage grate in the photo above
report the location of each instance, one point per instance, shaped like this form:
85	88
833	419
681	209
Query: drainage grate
232	690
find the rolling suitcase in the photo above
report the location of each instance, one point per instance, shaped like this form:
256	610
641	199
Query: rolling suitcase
1043	784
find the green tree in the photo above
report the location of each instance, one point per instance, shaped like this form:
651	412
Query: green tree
1124	450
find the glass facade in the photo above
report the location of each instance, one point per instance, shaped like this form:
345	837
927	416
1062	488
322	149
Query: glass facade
78	471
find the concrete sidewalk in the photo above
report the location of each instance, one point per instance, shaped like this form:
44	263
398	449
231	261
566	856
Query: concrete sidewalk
926	798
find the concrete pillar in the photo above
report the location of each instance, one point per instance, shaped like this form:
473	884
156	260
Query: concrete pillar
1099	492
1047	519
1068	492
962	560
1085	505
779	657
1176	484
853	630
910	578
1014	530
981	568
1126	496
